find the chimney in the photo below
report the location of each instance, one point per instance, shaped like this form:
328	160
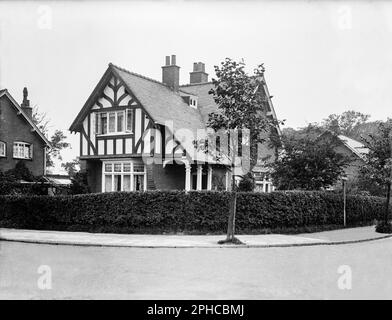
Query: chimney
171	73
26	104
199	74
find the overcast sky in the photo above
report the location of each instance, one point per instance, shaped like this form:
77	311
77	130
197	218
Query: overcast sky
320	57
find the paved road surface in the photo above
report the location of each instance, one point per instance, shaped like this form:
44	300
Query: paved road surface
209	273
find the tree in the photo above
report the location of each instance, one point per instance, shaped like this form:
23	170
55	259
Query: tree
378	167
57	140
58	143
72	167
346	123
242	105
308	163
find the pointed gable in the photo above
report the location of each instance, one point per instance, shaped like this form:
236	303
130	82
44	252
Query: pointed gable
20	111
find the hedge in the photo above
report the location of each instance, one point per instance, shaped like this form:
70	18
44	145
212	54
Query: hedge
177	211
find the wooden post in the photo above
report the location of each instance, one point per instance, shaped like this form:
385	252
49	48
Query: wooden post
199	177
209	178
187	177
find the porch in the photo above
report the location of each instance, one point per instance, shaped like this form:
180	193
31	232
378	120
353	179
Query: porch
202	176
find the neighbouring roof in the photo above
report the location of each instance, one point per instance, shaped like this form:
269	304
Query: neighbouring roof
4	92
355	146
57	179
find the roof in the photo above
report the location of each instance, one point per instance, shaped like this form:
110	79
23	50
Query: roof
59	179
355	146
205	101
160	102
4	92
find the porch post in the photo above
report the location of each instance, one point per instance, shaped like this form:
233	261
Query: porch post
199	176
187	177
209	178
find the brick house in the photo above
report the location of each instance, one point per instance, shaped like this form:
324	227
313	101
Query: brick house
137	133
20	138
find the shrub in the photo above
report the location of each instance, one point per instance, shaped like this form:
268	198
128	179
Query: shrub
247	183
177	211
79	183
382	227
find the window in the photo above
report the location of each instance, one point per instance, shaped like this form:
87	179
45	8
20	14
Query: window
114	122
23	150
3	149
130	120
123	176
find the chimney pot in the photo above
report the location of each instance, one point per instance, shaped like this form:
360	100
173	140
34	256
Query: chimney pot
167	61
173	60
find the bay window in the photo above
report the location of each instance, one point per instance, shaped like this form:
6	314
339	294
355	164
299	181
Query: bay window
123	176
115	122
23	150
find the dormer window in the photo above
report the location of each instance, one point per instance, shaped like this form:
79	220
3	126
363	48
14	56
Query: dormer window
190	100
193	102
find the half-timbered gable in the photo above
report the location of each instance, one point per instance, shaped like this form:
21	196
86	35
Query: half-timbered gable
114	123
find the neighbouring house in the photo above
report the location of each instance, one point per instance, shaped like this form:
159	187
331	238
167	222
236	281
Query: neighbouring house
137	133
58	180
353	149
20	138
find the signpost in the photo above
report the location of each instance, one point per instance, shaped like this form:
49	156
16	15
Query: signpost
344	181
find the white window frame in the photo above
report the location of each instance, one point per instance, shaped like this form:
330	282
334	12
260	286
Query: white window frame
27	150
116	131
122	173
3	150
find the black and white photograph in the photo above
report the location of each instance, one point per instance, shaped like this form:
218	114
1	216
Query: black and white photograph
217	152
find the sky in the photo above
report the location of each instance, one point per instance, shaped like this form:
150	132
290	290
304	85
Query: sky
320	57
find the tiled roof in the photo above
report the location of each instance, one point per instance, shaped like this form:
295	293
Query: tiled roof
355	146
160	102
205	101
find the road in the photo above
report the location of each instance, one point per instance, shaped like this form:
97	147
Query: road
314	272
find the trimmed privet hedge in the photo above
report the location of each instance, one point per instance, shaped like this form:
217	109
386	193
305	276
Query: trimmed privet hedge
177	211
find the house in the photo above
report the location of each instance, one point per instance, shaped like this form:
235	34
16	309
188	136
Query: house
20	138
137	133
351	148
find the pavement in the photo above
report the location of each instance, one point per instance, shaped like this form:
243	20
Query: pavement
341	236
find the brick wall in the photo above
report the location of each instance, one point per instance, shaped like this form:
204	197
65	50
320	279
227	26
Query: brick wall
94	174
13	128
